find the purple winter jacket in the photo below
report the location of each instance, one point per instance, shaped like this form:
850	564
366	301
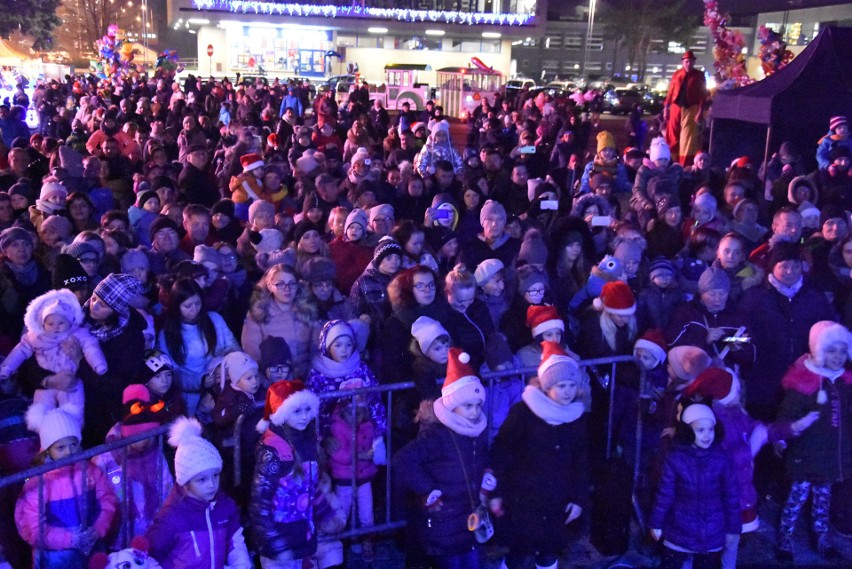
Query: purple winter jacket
188	533
698	500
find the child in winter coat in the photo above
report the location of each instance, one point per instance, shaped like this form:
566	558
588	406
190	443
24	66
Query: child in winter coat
75	516
338	360
430	345
658	300
491	288
444	467
52	320
697	509
817	457
650	349
539	458
143	214
198	525
157	373
838	135
149	481
285	495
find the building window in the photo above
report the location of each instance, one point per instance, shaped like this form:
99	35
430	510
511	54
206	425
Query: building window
596	42
573	41
345	40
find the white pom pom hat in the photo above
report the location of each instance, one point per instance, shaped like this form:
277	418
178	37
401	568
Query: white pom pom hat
194	453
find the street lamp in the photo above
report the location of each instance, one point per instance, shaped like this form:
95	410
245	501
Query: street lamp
589	30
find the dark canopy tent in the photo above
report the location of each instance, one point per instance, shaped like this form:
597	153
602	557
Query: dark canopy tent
793	104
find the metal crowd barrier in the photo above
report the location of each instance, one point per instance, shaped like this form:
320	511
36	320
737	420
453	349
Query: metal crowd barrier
234	442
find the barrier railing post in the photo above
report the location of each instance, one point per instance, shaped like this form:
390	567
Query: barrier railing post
125	488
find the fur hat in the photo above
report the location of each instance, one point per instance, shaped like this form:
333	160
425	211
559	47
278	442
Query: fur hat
836	121
358	216
654	342
274	351
139	413
461	384
282	398
616	298
541	318
251	162
260	206
605	139
491	208
234	366
426	330
487	269
153	362
556	366
319	269
194	454
386	247
53	424
12	234
696	412
661	264
69	273
659	149
822	335
714	278
686	362
533	248
61	302
714	383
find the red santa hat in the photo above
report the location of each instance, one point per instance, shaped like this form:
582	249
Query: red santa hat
251	162
686	362
461	384
654	342
616	298
556	365
714	383
542	318
282	398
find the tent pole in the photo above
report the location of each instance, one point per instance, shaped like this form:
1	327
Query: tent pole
710	146
766	148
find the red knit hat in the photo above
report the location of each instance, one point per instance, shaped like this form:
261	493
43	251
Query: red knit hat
541	318
461	384
282	398
251	161
616	298
139	413
713	383
556	365
654	342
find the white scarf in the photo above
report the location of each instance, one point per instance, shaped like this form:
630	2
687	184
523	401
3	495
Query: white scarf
549	410
457	423
830	374
788	291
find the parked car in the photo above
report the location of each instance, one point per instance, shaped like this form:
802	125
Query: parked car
652	102
518	85
621	101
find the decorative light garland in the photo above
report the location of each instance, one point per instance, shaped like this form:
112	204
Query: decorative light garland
400	14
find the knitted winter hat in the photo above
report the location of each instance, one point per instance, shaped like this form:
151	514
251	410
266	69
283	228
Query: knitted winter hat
714	278
661	264
822	335
497	351
605	139
23	188
836	121
305	225
659	149
696	412
194	454
600	179
12	234
139	413
319	269
117	290
438	236
234	366
783	251
68	273
461	384
556	366
381	210
134	258
529	275
426	330
282	398
258	207
714	383
58	223
153	362
358	216
654	342
251	162
667	202
491	208
616	298
686	362
78	249
360	155
706	200
274	351
831	211
307	163
533	248
145	196
333	330
53	190
386	247
542	318
270	240
487	269
628	251
206	254
53	424
160	223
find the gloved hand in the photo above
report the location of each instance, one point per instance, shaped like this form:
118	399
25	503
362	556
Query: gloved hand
380	451
656	534
433	500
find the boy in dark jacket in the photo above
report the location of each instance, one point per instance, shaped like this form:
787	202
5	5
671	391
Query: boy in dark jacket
657	302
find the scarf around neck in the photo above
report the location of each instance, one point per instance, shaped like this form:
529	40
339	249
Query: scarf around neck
457	423
788	291
549	410
25	275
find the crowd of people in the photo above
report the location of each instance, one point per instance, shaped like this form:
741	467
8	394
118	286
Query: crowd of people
216	255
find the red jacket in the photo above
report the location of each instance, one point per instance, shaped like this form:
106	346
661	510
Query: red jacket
696	89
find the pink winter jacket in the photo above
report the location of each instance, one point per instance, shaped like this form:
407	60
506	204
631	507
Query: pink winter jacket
341	460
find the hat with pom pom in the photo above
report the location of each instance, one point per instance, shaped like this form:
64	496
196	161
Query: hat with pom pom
53	424
556	365
822	335
533	248
282	398
461	384
654	342
194	454
139	412
135	556
616	298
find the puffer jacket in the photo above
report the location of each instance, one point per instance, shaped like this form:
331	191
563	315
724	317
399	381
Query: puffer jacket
369	294
822	453
344	460
188	533
697	501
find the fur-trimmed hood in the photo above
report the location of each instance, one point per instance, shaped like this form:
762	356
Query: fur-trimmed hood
800	378
55	301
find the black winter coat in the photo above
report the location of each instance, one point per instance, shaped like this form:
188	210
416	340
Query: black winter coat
470	330
691	321
540	469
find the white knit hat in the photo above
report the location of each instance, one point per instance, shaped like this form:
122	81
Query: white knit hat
234	366
696	412
659	149
194	454
53	424
426	330
556	365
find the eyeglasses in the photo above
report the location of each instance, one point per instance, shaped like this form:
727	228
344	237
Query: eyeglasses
292	285
87	260
423	287
535	291
279	369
